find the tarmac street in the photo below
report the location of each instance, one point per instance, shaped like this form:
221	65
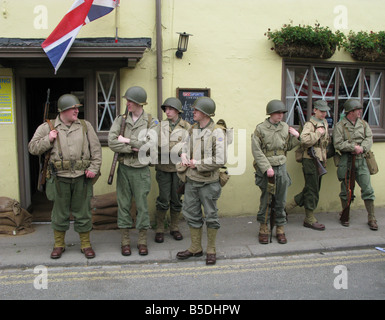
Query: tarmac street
237	238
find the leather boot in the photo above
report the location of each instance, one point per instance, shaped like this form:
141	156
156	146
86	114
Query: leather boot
125	242
159	234
372	222
142	242
211	251
263	235
311	221
174	226
281	235
85	245
59	246
195	249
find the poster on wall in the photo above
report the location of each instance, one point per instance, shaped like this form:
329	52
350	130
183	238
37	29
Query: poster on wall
187	97
6	110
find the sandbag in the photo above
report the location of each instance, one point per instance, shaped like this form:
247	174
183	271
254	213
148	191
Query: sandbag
14	220
8	204
104	200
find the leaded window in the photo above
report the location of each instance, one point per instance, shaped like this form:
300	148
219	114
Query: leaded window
107	100
305	83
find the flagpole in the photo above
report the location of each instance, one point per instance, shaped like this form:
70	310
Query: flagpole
117	20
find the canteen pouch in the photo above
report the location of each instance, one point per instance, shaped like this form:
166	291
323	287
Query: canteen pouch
371	162
181	171
223	176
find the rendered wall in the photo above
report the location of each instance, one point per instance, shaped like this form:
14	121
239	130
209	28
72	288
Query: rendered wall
227	53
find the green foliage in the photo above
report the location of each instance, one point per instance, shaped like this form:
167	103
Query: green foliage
360	41
306	35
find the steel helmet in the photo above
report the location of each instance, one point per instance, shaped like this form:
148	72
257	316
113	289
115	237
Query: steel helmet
137	95
67	101
173	103
275	106
351	105
205	105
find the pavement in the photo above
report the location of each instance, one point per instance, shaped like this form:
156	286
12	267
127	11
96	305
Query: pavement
237	238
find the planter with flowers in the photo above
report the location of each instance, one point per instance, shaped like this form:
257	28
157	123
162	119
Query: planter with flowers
366	46
305	41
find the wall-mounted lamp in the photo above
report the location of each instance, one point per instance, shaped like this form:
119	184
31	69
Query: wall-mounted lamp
182	44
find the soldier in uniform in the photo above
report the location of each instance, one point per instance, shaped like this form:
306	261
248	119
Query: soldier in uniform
76	157
173	132
269	144
203	154
352	135
133	174
314	134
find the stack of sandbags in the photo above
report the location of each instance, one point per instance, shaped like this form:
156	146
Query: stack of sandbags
14	220
105	211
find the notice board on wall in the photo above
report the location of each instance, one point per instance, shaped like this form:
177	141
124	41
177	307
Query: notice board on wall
6	102
187	96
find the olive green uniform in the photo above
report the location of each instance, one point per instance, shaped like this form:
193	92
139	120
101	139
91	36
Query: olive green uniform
269	144
309	196
76	149
133	175
170	144
345	136
208	145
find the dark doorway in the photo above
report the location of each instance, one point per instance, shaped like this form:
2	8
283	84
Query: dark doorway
36	97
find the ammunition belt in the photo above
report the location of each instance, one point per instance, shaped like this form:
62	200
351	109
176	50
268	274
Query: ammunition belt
71	165
275	153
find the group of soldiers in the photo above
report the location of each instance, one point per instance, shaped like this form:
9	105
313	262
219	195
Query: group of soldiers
190	157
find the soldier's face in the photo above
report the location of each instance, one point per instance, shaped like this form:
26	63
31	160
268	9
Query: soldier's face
132	106
320	114
171	113
276	117
70	115
198	115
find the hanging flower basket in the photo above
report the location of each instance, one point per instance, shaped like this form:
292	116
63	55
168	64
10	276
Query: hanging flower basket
305	41
368	55
366	46
304	51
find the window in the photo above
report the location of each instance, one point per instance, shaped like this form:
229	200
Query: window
304	83
106	103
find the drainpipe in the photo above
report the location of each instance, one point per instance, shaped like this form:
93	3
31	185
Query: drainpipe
159	58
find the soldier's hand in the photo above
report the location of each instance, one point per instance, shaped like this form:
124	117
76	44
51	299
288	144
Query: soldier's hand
185	160
270	172
123	139
89	174
293	132
321	130
52	135
192	164
358	149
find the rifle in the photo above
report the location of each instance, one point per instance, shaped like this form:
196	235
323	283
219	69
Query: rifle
351	176
271	190
116	155
320	168
43	165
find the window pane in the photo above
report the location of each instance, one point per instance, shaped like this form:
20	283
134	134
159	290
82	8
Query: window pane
372	97
296	93
106	100
324	89
349	87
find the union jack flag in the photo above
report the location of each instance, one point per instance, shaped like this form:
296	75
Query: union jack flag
82	12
